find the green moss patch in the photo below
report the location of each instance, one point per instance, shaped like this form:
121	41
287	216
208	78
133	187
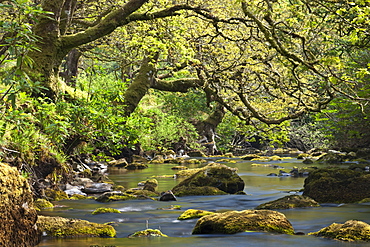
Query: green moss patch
62	227
148	233
193	214
351	230
105	210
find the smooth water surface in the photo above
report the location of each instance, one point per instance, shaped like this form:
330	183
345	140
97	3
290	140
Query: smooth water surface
260	188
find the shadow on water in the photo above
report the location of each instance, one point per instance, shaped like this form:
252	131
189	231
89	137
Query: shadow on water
260	188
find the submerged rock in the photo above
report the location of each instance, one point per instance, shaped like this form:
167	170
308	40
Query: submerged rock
18	217
148	233
351	230
337	185
292	201
193	214
63	227
239	221
215	175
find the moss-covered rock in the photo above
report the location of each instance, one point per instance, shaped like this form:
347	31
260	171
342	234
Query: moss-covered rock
18	217
55	195
214	175
115	196
148	233
146	194
62	227
150	184
336	185
78	197
42	203
187	173
105	210
136	166
193	214
351	230
240	221
292	201
197	191
250	156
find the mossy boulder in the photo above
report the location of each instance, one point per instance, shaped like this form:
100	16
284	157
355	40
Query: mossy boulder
42	203
63	227
193	214
197	191
214	175
179	168
351	230
18	217
105	210
187	172
292	201
250	156
150	184
136	166
240	221
114	196
55	195
148	233
334	185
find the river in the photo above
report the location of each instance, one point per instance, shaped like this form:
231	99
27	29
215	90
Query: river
260	188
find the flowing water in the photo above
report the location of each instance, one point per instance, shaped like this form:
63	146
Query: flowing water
260	188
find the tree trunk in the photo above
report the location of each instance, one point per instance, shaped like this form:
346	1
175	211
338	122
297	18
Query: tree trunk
141	84
207	129
71	67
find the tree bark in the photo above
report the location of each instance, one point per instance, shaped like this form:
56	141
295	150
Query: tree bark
141	84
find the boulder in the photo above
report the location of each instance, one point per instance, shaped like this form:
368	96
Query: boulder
198	191
148	233
351	230
136	166
292	201
240	221
167	196
334	185
97	188
193	214
18	217
105	210
63	227
151	184
214	175
114	196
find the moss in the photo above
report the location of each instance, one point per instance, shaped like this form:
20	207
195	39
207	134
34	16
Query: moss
105	210
43	203
55	195
302	156
197	191
292	201
148	233
267	158
250	157
115	196
150	184
187	173
337	185
118	188
62	227
136	166
18	217
78	197
193	214
351	230
239	221
214	175
142	193
172	207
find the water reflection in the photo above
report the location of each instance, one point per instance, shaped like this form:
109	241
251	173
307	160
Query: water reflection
259	188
